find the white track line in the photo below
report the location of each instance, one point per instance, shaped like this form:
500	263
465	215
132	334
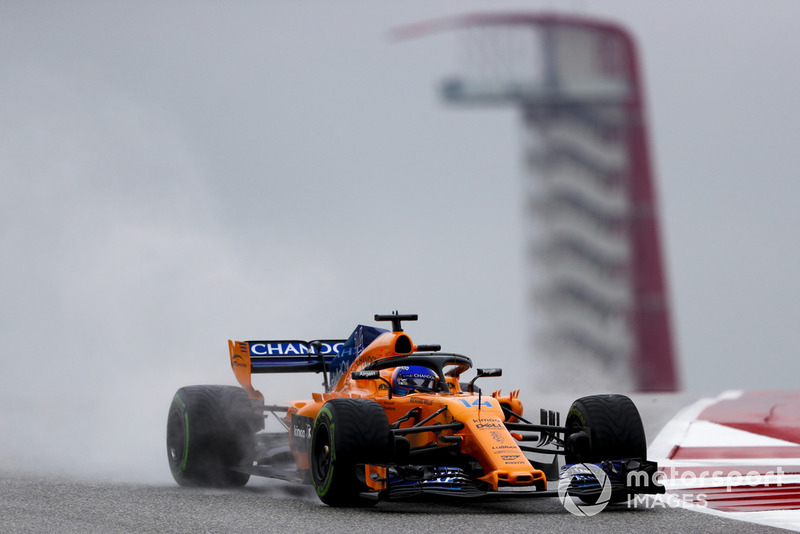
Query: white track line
684	429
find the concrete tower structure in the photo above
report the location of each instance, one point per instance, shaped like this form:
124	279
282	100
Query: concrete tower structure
598	298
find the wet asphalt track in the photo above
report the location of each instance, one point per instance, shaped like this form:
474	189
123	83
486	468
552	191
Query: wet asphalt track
35	503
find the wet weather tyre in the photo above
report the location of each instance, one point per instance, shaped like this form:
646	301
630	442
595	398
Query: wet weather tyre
348	433
615	432
615	429
210	431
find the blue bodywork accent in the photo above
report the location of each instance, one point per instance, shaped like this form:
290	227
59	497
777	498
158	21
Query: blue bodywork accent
439	478
361	337
283	362
626	477
292	355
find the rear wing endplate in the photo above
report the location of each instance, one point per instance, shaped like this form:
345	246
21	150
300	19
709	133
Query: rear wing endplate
283	356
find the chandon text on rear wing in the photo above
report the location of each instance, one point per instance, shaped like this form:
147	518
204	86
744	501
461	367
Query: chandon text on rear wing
283	356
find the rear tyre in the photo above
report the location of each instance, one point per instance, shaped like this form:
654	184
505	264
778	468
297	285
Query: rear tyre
210	432
348	433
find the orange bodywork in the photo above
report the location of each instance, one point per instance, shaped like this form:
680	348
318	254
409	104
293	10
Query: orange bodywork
483	437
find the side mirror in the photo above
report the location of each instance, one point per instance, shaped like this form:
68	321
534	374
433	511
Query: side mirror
484	372
371	375
365	375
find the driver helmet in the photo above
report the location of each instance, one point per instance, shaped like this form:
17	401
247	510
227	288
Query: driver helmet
410	378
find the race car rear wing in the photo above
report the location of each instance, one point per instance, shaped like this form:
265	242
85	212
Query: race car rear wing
284	356
281	356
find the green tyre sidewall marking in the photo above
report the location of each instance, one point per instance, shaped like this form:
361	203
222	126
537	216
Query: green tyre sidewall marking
185	434
185	442
323	490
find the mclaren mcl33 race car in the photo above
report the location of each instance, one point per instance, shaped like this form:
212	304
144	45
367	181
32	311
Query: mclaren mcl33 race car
396	421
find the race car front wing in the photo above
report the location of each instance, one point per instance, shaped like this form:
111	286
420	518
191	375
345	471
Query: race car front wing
625	478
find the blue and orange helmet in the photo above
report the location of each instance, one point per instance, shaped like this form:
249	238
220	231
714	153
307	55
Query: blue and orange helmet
411	378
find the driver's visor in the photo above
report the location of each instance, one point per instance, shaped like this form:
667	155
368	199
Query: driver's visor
418	382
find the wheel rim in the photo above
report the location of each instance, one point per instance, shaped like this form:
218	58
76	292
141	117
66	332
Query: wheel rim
176	439
322	453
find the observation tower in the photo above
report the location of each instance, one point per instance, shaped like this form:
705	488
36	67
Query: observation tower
597	290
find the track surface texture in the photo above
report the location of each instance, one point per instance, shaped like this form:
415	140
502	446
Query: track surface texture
32	504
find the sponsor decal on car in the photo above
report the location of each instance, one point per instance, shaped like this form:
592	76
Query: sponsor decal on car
469	403
293	348
498	437
481	426
302	430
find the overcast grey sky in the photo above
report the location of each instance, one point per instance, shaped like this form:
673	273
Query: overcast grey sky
177	174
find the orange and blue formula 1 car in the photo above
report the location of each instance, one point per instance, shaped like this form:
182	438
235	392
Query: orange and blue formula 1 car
398	421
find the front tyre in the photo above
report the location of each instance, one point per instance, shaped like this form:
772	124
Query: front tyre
615	429
210	431
615	432
348	433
